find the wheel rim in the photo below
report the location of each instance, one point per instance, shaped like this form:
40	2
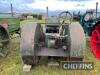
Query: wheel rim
4	42
95	41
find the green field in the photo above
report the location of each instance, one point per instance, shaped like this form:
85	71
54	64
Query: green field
12	64
43	69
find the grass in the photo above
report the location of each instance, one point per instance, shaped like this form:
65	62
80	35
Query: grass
43	69
12	64
27	21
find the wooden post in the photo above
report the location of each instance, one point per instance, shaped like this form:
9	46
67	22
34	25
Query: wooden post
96	8
11	10
47	11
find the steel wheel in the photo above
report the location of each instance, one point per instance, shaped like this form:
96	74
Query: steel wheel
95	41
28	43
77	41
4	42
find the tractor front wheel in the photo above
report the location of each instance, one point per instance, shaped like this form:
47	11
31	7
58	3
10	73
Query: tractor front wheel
95	41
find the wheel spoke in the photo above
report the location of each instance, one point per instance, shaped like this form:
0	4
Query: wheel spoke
66	16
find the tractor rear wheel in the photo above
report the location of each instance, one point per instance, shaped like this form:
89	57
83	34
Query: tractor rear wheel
30	36
4	42
95	41
77	41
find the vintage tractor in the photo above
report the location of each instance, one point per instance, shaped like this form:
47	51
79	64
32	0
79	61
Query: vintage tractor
13	22
90	22
76	17
8	25
4	41
60	38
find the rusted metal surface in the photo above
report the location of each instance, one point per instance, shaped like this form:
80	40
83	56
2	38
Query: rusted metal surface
29	37
77	40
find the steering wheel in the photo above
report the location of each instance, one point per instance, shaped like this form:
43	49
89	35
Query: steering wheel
65	17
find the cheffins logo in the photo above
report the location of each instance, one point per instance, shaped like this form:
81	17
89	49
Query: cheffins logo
77	65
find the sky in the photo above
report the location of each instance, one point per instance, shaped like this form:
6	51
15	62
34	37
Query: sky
39	6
